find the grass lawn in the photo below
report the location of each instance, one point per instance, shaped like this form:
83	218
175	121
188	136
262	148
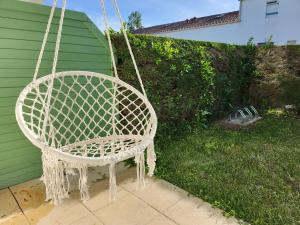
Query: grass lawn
252	174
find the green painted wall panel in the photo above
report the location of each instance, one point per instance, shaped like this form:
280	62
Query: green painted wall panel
19	152
12	72
35	45
34	17
37	36
48	55
30	64
39	10
22	27
8	129
22	176
8	146
35	26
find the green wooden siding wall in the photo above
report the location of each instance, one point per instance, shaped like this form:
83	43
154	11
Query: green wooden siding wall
22	27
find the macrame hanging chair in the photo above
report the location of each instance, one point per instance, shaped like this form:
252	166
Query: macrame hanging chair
81	119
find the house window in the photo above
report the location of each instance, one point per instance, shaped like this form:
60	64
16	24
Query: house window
272	8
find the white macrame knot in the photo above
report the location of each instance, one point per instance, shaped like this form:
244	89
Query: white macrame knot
112	182
83	182
151	160
140	169
57	187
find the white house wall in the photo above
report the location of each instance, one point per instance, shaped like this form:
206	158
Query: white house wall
289	21
228	33
254	23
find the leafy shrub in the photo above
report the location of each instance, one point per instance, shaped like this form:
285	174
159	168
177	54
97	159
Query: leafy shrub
186	81
279	81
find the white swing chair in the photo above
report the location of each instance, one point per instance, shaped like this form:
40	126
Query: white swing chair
80	119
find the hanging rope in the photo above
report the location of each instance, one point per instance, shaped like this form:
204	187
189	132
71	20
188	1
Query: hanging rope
129	46
114	67
58	39
38	65
107	27
55	60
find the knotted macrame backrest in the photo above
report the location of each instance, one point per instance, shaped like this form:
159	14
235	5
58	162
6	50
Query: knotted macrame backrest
85	106
69	108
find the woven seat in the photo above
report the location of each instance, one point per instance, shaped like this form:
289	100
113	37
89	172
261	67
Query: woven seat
84	108
105	150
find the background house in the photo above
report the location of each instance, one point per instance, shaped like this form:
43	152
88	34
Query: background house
264	20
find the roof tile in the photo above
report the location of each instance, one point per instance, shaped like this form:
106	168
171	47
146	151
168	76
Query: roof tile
195	22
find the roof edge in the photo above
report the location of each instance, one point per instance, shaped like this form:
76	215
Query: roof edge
193	23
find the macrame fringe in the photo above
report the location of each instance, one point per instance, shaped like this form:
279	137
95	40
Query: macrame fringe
140	170
112	182
56	172
83	185
151	159
57	187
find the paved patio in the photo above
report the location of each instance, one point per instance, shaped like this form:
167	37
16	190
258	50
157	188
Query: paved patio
160	203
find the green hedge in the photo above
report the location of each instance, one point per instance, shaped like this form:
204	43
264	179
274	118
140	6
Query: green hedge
187	80
278	80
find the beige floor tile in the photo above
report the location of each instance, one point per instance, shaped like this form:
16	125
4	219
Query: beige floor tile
193	211
67	213
128	211
14	219
160	203
8	205
102	172
161	220
88	220
30	194
158	193
127	176
128	180
99	195
31	198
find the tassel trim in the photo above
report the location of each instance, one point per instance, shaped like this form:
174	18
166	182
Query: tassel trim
151	159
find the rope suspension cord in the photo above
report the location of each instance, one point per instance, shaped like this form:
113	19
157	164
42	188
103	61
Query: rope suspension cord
112	166
129	46
106	23
41	54
55	60
151	156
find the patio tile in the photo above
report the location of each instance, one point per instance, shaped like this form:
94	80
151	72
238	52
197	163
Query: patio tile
30	194
161	220
128	180
160	203
158	193
99	195
31	198
14	219
128	211
67	213
194	211
88	220
8	204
